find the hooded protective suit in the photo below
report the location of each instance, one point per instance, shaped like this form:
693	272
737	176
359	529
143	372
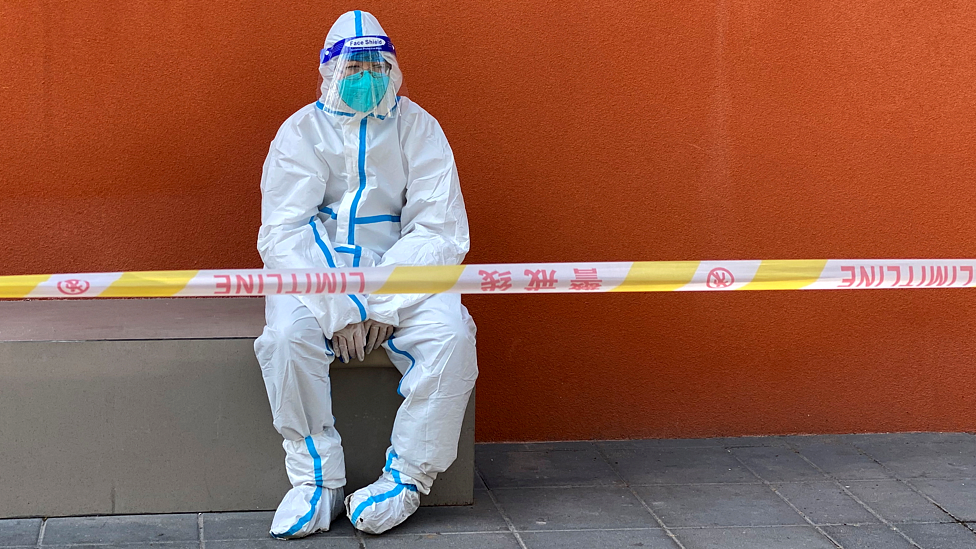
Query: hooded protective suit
343	187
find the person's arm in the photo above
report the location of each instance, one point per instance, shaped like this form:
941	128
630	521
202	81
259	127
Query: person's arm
434	228
291	235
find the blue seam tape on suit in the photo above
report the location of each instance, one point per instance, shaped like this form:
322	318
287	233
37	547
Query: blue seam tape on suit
321	243
328	258
362	182
412	363
317	462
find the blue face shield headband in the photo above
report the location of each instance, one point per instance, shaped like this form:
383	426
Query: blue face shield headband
360	44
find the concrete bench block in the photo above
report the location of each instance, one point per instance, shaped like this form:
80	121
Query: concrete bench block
94	424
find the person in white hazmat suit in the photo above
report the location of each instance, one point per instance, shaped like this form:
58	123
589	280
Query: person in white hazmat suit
362	178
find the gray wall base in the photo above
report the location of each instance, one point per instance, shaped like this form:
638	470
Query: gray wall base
180	425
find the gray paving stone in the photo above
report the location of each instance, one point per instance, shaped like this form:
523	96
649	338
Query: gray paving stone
953	460
480	517
255	525
940	536
956	496
580	467
121	529
752	442
795	440
146	545
317	541
224	526
679	466
342	527
15	532
841	460
443	541
824	502
590	539
682	480
573	508
867	537
718	442
895	501
497	447
906	438
784	537
777	464
719	505
564	445
479	483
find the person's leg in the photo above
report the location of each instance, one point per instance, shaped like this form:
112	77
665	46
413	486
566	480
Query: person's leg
434	348
294	358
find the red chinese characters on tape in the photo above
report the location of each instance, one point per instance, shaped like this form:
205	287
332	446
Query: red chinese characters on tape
585	280
536	279
541	279
73	286
933	275
495	281
299	284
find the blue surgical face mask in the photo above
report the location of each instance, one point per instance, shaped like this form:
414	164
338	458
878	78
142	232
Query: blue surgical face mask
364	90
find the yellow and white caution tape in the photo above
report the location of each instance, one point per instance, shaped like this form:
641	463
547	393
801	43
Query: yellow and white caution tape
512	278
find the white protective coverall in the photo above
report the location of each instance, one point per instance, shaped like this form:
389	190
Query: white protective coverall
342	188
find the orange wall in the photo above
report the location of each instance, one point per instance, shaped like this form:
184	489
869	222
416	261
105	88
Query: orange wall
133	135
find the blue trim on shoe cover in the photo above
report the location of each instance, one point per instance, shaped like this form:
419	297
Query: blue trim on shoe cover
317	464
396	474
378	499
396	477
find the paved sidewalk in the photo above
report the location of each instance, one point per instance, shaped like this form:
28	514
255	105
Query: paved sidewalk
851	491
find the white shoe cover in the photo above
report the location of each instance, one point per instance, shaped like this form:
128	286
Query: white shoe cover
382	505
306	509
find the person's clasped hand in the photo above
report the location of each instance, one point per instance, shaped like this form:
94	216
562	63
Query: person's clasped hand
350	341
376	334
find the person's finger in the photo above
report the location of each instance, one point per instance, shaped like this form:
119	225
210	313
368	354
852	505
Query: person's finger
343	349
379	337
380	331
387	334
371	337
359	343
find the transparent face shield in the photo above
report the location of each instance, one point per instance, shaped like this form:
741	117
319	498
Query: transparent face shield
360	75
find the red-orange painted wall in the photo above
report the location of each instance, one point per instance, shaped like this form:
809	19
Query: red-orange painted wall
133	135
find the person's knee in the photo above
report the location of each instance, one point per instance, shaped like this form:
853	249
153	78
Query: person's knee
458	339
302	332
451	334
457	327
302	336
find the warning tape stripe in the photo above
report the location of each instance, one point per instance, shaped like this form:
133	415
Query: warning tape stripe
778	274
641	276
